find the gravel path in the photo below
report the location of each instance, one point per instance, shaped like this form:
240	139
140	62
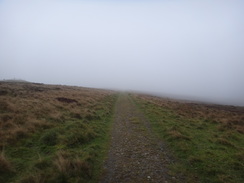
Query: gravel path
135	155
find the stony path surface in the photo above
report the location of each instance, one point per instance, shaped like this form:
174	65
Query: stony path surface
135	155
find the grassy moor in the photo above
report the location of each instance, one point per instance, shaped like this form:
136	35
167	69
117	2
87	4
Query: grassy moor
53	133
206	139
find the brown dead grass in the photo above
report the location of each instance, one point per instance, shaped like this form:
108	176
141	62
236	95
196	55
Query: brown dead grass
229	117
68	166
5	165
177	135
26	107
35	178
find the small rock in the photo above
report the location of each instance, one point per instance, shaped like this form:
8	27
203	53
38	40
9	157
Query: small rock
148	177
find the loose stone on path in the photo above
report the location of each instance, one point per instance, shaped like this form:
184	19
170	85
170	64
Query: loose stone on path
135	154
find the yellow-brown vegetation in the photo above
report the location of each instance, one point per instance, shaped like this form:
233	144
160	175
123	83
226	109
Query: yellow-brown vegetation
26	108
53	133
5	165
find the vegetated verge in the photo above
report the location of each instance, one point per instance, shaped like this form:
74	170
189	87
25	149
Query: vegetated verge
53	133
206	139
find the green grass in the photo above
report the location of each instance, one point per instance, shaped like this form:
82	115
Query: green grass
205	152
72	150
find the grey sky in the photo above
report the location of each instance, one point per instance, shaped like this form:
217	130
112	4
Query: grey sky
186	48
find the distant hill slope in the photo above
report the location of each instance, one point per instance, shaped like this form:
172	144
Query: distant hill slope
14	81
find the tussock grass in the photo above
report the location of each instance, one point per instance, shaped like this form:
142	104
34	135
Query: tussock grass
207	140
53	133
69	166
5	165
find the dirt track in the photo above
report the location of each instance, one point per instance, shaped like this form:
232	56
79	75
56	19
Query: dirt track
135	154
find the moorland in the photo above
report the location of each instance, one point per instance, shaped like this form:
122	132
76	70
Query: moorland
56	133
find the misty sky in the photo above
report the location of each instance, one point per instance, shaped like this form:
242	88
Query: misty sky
192	49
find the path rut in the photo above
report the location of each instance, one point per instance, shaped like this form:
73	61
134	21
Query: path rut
135	155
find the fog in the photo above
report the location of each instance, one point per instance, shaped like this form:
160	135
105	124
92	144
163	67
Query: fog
186	49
